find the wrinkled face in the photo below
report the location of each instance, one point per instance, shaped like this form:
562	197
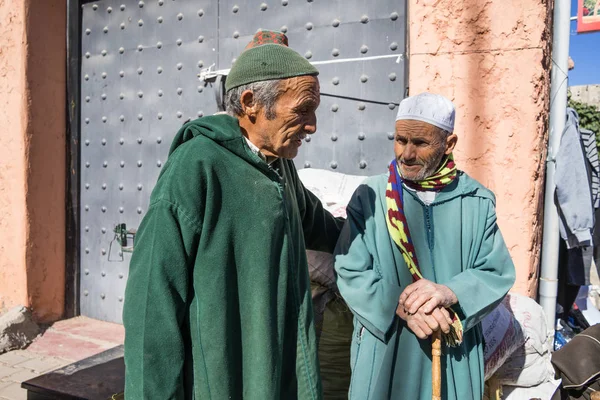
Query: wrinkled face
420	148
294	117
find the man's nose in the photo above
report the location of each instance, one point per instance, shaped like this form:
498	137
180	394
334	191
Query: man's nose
310	126
409	152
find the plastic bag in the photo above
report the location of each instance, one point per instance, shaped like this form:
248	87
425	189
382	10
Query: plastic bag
503	335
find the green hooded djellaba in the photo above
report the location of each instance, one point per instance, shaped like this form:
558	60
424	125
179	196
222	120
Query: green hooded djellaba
458	244
218	302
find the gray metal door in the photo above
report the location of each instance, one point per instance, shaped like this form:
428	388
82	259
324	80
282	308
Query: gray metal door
139	68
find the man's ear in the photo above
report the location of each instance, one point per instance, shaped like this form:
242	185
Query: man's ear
451	143
249	106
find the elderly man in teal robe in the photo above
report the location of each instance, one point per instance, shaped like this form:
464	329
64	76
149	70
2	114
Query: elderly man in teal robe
420	252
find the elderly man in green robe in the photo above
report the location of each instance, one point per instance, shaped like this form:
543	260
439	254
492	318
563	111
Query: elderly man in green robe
218	302
421	251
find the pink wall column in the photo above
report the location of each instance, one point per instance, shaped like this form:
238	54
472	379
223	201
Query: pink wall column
13	215
32	156
492	58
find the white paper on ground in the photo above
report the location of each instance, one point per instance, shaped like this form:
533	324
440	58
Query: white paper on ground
543	391
334	189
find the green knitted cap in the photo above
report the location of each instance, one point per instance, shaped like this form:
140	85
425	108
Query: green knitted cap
267	57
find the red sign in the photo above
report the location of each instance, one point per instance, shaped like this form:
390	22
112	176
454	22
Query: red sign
588	16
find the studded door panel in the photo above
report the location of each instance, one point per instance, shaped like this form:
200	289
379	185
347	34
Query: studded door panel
139	69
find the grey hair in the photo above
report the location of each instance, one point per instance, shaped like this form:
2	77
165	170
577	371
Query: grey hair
265	93
444	133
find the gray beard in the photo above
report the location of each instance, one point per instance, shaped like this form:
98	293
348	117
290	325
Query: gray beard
429	169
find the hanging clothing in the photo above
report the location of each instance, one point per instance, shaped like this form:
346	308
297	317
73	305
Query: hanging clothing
573	190
578	196
588	138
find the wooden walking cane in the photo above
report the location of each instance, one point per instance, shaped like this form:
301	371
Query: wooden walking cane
436	365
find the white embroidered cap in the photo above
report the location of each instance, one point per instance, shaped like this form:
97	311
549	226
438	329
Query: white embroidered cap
432	108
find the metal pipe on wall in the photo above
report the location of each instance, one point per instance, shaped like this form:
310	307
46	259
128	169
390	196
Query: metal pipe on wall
73	188
558	105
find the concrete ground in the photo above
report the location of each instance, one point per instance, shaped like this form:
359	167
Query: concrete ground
66	342
63	343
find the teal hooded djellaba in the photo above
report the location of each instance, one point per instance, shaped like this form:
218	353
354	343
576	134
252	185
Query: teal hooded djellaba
458	244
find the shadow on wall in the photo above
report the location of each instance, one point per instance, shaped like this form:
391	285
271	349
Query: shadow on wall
46	169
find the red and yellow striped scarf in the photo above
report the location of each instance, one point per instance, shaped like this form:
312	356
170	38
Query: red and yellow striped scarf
398	226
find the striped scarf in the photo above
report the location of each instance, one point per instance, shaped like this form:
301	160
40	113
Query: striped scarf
398	226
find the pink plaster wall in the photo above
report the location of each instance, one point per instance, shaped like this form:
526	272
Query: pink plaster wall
492	59
13	215
32	155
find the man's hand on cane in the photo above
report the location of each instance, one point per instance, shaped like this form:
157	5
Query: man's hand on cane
427	295
423	306
424	324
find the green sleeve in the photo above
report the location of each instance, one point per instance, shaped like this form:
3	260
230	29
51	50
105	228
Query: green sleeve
321	229
372	299
156	303
480	288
